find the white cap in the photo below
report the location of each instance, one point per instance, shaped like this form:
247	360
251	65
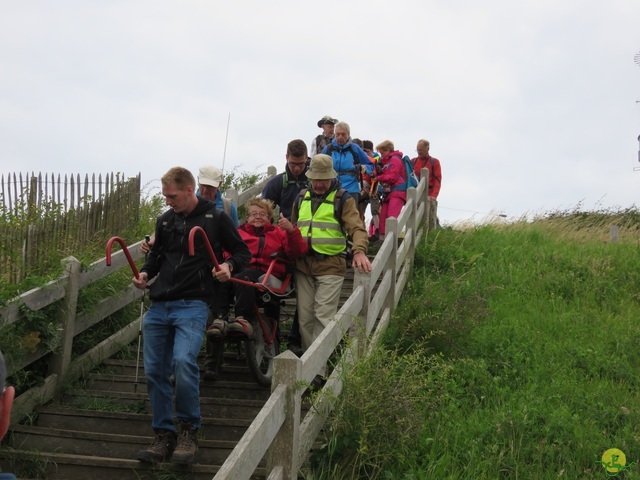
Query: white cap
210	176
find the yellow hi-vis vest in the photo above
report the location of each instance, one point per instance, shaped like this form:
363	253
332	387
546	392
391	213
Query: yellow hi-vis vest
321	229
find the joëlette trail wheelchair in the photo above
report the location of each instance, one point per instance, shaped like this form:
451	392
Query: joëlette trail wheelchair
263	345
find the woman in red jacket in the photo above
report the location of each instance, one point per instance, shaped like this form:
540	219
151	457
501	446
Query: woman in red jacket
392	176
263	239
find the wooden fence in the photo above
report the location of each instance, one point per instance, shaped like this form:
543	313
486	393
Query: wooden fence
277	431
61	213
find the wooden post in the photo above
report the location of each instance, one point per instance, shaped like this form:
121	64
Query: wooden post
424	173
60	361
287	369
613	233
358	330
391	227
414	220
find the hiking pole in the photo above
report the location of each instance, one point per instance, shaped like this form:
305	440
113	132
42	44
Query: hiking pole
147	239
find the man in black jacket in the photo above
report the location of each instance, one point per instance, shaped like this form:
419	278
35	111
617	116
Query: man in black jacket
282	189
175	323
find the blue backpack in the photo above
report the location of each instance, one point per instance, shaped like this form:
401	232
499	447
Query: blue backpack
412	180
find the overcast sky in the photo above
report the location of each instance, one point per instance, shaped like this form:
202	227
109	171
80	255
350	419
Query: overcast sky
529	105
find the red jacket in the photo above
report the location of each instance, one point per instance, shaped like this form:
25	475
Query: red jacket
272	239
435	174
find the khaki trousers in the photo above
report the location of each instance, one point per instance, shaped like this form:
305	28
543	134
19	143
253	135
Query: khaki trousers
317	303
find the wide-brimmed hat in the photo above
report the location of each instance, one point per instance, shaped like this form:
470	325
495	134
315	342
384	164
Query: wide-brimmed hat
327	120
321	168
210	176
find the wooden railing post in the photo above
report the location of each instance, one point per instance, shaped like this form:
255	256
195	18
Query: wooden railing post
61	359
391	228
412	197
358	330
424	173
287	369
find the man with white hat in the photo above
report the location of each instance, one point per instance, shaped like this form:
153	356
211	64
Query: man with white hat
326	123
209	180
325	214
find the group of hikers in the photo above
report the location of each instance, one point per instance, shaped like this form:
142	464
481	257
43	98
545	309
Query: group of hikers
322	200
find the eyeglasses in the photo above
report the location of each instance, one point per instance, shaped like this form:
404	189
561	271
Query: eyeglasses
258	214
297	165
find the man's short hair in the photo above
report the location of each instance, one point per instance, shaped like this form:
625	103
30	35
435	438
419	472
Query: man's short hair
367	144
357	141
424	142
180	176
297	148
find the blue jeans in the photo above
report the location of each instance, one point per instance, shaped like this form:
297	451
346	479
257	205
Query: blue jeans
7	476
173	333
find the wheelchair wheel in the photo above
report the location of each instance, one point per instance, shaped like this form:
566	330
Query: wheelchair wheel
260	355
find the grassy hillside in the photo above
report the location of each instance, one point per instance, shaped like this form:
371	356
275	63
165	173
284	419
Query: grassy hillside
515	353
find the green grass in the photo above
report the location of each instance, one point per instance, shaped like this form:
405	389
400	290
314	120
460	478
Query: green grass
513	354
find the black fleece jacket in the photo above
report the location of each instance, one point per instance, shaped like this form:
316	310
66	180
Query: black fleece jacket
180	275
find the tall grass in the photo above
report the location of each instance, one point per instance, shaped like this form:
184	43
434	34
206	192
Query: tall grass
519	346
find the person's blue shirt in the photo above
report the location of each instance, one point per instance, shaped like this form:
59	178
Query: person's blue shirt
220	206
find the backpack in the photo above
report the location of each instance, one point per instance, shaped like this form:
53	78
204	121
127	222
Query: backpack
412	180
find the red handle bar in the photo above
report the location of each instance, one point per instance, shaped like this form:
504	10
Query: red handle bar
126	252
198	230
192	235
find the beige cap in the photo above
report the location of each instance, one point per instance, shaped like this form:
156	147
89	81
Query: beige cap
210	175
321	168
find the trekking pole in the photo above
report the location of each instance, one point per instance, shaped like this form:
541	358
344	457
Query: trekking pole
147	239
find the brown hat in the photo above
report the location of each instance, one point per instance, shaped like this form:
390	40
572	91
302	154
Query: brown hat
321	168
327	120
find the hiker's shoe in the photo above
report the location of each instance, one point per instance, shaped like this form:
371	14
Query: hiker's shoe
240	325
187	445
161	448
217	329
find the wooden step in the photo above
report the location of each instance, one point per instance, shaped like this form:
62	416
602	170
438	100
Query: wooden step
62	466
136	424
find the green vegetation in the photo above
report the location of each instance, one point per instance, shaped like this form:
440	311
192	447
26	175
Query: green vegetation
513	354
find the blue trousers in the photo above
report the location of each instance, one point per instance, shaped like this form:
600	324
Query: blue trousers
173	333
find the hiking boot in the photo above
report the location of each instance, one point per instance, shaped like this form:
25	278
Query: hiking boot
240	325
217	329
187	445
161	448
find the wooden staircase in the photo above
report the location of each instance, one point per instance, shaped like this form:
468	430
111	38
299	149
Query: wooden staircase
95	431
72	439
